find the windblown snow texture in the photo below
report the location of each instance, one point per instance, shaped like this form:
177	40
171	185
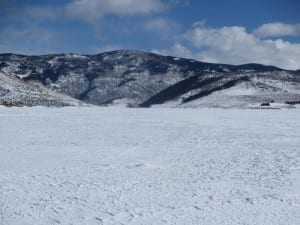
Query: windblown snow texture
149	166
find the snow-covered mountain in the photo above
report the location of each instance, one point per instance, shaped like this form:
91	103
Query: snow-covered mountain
16	92
137	78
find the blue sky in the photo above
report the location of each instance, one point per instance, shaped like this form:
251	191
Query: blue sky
231	31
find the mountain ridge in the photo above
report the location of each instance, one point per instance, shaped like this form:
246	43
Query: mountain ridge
241	66
135	78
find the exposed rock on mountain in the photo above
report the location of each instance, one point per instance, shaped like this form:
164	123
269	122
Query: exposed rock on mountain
16	92
144	79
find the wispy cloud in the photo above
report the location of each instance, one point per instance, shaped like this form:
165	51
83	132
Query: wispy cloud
104	48
277	30
176	50
43	12
92	10
30	40
162	26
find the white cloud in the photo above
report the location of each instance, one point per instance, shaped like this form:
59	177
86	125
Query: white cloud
91	10
234	45
45	12
277	30
105	48
162	26
176	50
183	3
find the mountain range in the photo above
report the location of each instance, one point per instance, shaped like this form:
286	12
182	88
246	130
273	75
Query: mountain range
141	79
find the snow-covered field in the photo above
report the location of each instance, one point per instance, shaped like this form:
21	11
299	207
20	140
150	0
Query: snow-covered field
94	165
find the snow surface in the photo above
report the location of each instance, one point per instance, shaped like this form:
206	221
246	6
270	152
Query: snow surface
149	166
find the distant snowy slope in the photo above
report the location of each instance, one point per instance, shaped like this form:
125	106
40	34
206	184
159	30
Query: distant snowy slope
230	90
135	78
16	92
